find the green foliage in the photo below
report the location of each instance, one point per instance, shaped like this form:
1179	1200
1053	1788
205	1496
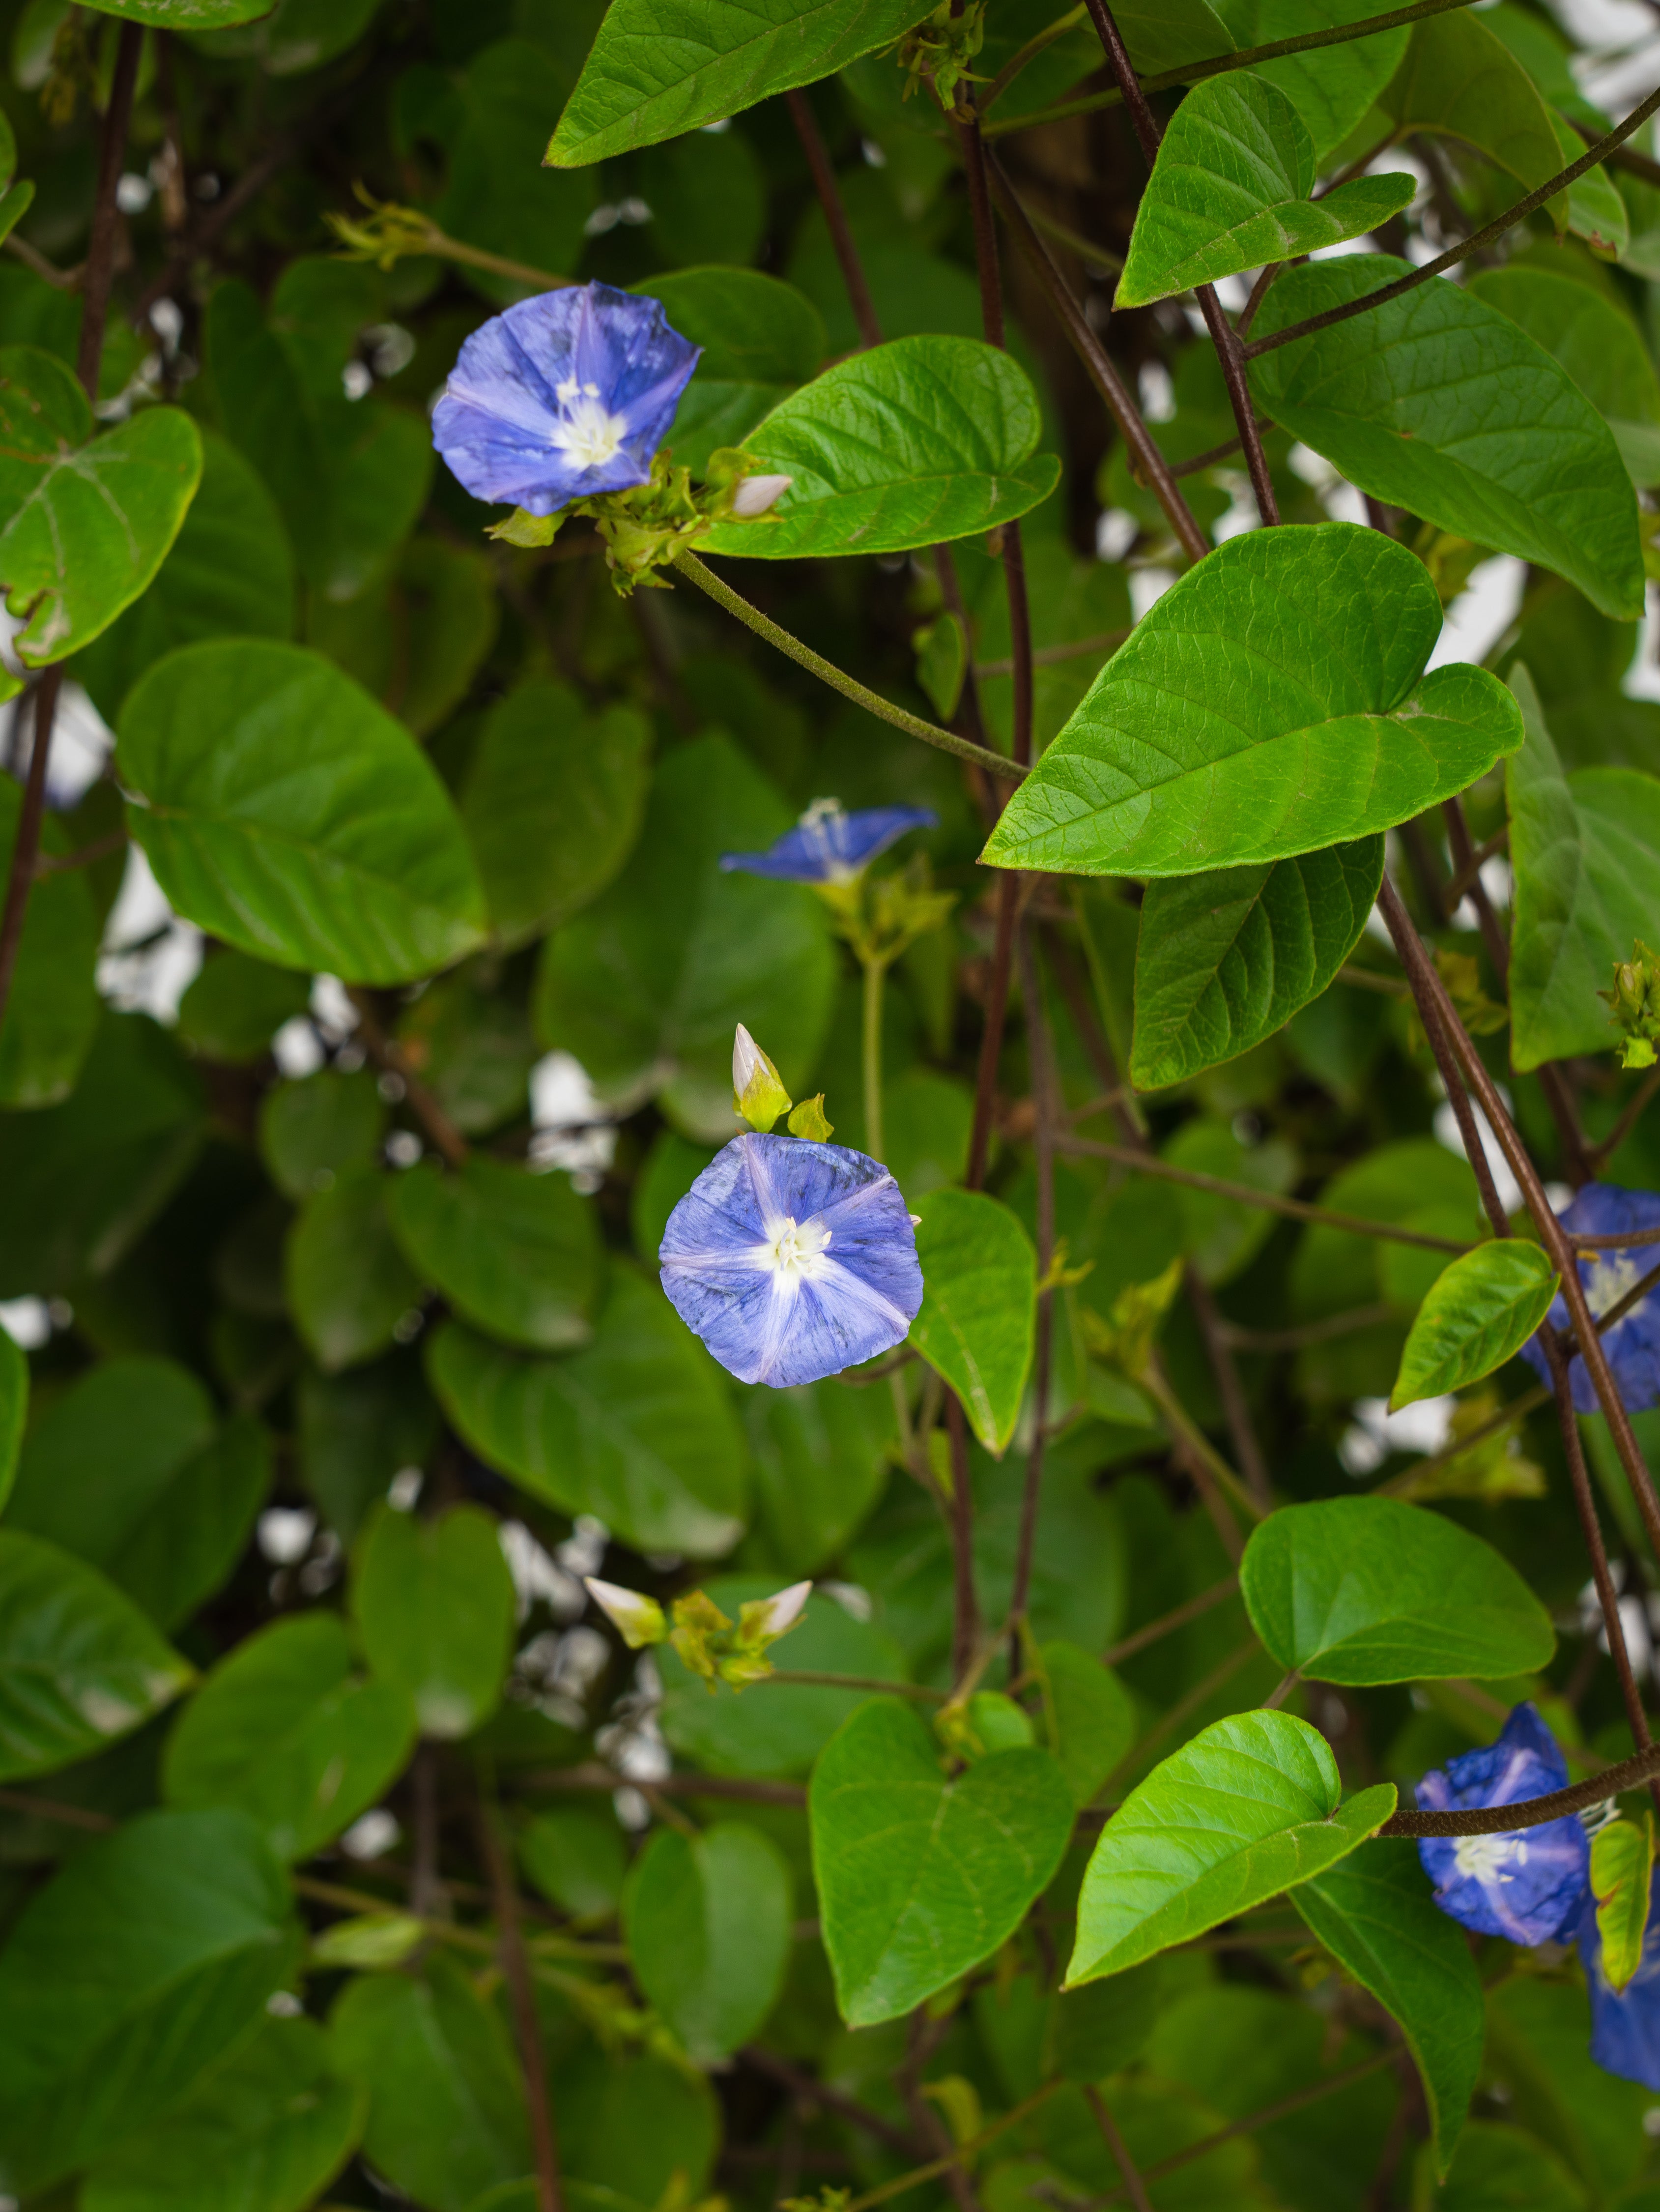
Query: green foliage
975	1327
515	1253
707	1920
760	339
434	1608
1621	1870
1478	1314
52	1012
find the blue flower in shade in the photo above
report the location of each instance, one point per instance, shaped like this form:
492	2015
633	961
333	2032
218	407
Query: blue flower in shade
563	397
829	845
1633	1345
792	1260
1531	1885
1624	2024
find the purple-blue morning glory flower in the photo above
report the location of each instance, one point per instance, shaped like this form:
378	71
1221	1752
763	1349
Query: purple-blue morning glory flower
563	397
792	1260
1531	1885
829	845
1624	2024
1602	1209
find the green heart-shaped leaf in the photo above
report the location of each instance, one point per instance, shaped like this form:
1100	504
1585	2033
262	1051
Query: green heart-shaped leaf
518	1254
979	1276
1480	1312
433	1603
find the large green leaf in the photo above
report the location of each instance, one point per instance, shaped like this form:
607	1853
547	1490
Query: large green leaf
820	1452
285	812
919	1877
646	987
1374	1913
1251	1806
140	1965
1480	1313
1333	88
315	1130
1438	403
1585	850
657	70
1230	190
707	1921
89	521
1368	1589
1273	701
500	196
348	1284
1225	958
760	339
975	1327
637	1430
552	804
283	1730
1601	348
433	1603
13	1410
1459	80
1093	1716
265	2133
80	1665
183	15
51	1013
1499	2167
516	1253
907	444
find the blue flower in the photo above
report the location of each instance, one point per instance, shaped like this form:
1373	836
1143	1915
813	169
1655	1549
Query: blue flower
1633	1345
829	845
792	1260
564	396
1624	2024
1531	1884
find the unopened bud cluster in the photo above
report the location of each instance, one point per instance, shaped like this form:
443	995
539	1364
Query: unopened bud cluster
1635	1005
704	1639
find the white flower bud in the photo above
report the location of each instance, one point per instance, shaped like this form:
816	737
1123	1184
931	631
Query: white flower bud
758	1094
755	495
638	1619
783	1609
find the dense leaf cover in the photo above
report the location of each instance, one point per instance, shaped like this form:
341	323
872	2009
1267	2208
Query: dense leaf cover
829	1183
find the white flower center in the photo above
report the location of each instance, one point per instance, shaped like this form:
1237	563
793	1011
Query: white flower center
795	1252
1484	1858
1612	1274
589	433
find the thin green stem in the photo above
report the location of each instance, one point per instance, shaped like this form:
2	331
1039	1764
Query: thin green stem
827	671
876	974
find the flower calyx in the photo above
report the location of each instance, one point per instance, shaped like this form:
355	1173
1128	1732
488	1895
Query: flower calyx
939	50
1634	1004
709	1646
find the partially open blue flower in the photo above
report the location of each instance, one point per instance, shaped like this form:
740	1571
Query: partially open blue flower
1531	1884
792	1260
1602	1209
563	397
829	845
1624	2024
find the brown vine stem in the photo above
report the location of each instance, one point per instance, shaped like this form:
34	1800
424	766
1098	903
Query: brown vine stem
95	315
1168	1623
1144	453
1222	64
388	1054
1427	987
1222	336
965	1605
1134	2187
515	1971
835	216
1593	158
811	2090
1605	1147
1044	1087
935	2166
1529	1812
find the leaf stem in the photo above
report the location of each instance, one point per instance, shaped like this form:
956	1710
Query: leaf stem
803	655
936	2166
965	1603
1606	1146
835	216
1134	2187
1168	1624
1045	1088
388	1054
527	2031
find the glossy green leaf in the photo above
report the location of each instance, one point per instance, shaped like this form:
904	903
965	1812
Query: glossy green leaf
631	2124
1505	2169
182	15
979	1277
1596	212
1250	1807
514	1252
553	803
349	1286
433	1603
1230	190
576	1858
820	1452
1621	1872
1170	767
1585	850
1374	1913
446	2110
1460	81
236	1005
760	340
145	1961
1094	1717
1480	1312
637	1430
1600	347
315	1130
89	521
415	638
283	1730
656	72
285	812
1437	403
707	1920
907	444
359	1430
1367	1589
919	1877
51	1012
1333	88
500	195
1226	958
80	1665
265	2133
646	987
84	1179
294	36
230	574
13	1410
